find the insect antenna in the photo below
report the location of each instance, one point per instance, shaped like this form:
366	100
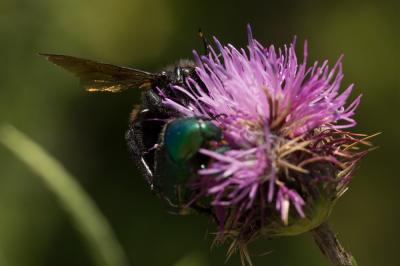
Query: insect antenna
205	41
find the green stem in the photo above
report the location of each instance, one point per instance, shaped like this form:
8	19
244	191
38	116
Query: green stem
83	211
330	246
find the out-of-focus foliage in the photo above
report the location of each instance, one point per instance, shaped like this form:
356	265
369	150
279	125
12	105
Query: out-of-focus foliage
86	132
87	218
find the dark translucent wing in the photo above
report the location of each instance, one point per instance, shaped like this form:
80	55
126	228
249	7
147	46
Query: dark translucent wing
95	76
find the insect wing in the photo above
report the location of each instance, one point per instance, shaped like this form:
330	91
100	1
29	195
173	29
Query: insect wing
95	76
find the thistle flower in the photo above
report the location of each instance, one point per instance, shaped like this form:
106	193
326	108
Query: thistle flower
286	157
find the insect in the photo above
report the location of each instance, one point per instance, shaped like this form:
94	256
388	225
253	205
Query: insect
163	144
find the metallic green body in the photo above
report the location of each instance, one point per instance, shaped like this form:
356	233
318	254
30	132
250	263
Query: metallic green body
184	137
175	159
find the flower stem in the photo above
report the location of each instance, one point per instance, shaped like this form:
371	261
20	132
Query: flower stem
330	246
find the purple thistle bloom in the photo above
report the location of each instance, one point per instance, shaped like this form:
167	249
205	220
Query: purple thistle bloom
284	152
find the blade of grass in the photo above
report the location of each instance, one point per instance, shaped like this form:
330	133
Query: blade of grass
87	218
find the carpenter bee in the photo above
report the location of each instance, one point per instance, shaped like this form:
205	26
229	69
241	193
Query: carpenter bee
163	144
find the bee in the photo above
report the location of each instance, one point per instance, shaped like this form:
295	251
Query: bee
164	144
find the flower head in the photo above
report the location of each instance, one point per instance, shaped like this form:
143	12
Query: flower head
285	157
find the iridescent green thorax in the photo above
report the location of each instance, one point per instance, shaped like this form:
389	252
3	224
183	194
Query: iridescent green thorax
184	137
176	159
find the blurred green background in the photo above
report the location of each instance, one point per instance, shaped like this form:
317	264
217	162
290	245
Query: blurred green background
86	132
